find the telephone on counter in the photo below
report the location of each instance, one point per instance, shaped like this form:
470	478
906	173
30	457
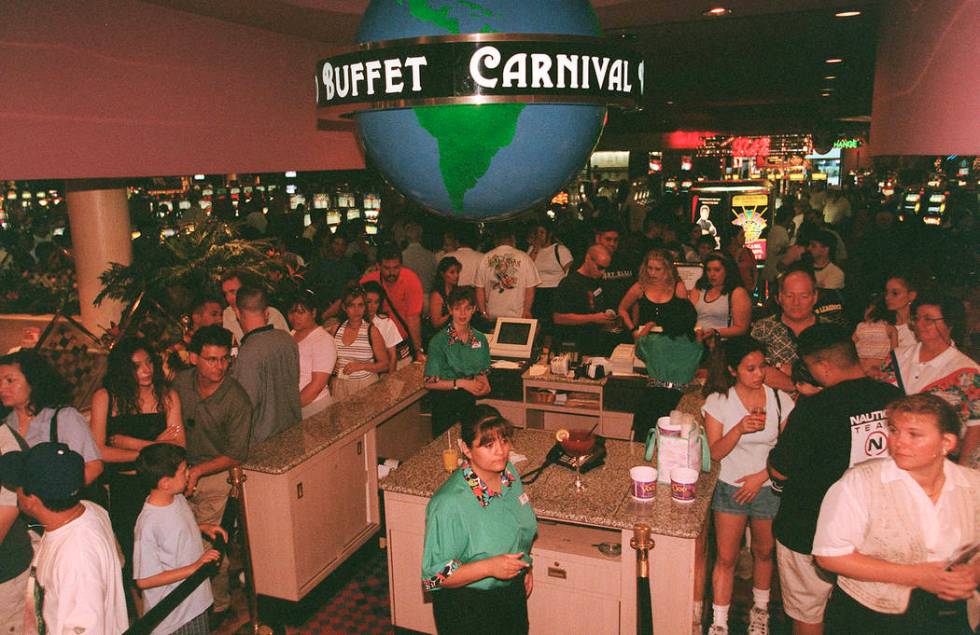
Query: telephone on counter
557	456
592	460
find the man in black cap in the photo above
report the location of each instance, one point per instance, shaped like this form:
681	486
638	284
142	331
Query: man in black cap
77	579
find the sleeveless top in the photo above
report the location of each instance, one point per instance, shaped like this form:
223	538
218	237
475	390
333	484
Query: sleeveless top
654	311
714	314
359	351
872	341
145	426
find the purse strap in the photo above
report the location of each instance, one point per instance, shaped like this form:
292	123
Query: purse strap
898	371
53	434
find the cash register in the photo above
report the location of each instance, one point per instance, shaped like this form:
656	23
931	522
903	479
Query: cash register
511	351
512	340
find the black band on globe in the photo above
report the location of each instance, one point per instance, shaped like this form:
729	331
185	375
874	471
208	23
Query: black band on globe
478	69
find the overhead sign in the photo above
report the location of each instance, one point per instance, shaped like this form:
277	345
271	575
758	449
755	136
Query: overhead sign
848	144
480	68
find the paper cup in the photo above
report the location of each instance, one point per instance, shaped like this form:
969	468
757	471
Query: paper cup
668	428
644	482
683	484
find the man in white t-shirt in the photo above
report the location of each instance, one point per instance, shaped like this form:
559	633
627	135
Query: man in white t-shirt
468	257
506	279
822	248
837	209
77	585
230	285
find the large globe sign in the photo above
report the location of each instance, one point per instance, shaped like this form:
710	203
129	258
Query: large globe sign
479	109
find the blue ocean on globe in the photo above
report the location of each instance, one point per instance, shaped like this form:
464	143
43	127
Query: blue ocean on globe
486	161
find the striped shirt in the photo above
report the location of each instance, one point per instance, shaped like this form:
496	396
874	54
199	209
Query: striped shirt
359	351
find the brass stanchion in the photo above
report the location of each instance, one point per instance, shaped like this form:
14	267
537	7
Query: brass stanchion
254	627
643	543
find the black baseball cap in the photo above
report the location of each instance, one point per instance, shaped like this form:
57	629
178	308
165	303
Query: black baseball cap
50	471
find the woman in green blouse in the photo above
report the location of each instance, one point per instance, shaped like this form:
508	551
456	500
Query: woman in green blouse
479	527
457	363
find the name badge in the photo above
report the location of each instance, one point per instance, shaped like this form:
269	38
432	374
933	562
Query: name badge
523	498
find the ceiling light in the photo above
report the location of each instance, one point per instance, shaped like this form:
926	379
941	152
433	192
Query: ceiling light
847	14
827	89
833	60
825	94
716	12
830	77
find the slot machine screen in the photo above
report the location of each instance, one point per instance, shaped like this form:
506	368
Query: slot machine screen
371	230
372	201
321	201
184	205
205	204
296	200
307	221
353	214
346	200
333	217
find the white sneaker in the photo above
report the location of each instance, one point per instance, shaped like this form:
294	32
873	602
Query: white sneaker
718	629
758	621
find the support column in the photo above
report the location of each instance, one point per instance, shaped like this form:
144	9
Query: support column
98	214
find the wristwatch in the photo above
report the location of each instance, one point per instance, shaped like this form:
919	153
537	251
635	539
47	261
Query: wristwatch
454	384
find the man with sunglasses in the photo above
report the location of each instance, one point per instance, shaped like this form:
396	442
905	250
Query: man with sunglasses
217	416
581	311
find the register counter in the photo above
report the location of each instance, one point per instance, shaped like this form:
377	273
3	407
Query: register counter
577	589
543	400
311	491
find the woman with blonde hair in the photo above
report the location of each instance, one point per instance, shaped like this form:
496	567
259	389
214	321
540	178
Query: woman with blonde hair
659	290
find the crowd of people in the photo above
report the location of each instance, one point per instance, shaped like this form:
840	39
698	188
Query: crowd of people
837	399
849	446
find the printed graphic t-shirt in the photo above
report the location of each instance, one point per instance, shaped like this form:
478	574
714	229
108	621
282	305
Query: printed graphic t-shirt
825	434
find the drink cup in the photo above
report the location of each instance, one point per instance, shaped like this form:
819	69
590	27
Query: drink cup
644	482
683	484
450	459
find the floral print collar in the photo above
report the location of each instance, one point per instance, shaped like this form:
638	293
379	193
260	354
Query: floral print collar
454	337
480	489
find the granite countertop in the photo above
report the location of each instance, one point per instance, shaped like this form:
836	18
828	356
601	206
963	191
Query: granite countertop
605	503
294	445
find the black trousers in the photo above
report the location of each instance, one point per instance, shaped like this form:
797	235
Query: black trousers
926	615
655	403
474	612
447	407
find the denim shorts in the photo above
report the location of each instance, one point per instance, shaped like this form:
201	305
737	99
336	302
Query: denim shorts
763	506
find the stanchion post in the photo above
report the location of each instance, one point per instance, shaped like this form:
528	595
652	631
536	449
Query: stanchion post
642	543
236	478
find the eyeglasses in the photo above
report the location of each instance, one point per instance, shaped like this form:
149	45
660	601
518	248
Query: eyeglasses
931	320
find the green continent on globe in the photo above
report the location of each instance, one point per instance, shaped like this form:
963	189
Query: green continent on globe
468	137
423	11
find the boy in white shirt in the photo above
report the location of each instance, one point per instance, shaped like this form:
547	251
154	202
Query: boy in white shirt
168	546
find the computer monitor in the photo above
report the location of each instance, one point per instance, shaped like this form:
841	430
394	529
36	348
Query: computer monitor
513	337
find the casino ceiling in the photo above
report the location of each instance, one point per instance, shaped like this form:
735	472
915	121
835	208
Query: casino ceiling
759	68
